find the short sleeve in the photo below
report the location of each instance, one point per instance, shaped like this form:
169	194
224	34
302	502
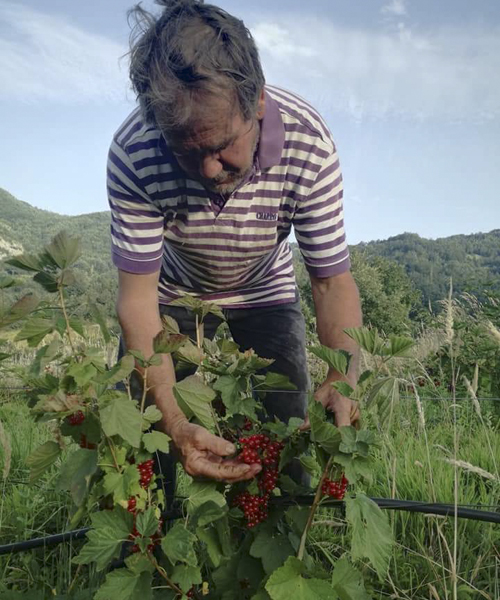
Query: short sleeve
136	223
319	222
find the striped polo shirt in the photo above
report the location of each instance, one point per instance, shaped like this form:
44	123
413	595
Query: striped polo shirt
236	254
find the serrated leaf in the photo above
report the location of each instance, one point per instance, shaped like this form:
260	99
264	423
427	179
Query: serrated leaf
169	324
208	535
199	307
209	512
343	388
6	281
194	399
20	309
368	339
44	356
98	318
309	464
166	343
189	353
186	576
371	533
34	330
118	372
348	582
337	360
110	528
288	582
152	414
398	345
355	467
156	440
49	281
42	458
82	372
272	548
147	522
26	262
234	396
123	584
275	381
323	433
122	485
64	250
178	545
385	395
76	473
348	444
120	416
199	492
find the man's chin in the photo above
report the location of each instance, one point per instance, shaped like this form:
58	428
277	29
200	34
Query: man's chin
223	188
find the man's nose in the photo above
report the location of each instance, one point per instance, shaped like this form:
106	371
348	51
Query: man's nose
210	167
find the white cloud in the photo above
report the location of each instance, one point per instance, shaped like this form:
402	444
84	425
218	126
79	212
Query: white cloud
447	73
45	57
395	7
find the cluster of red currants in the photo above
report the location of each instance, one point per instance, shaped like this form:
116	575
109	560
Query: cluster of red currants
335	489
77	418
146	471
259	449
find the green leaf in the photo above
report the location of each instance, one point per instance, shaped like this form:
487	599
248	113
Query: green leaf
234	396
147	522
122	485
123	584
348	581
63	250
42	458
20	309
34	330
355	467
166	342
385	395
348	445
110	528
371	533
186	576
6	281
199	307
156	440
288	582
44	356
118	372
368	339
169	324
26	262
399	346
195	398
49	281
76	473
208	535
272	548
208	512
98	318
323	433
338	360
82	372
120	416
276	381
199	492
309	464
343	388
178	545
152	414
190	354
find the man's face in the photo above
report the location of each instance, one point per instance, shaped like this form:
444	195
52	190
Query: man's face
217	148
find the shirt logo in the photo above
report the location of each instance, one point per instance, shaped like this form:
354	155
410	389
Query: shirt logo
267	216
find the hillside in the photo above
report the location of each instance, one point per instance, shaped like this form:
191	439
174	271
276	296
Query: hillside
472	261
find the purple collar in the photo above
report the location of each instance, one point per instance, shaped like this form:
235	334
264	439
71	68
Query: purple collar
272	135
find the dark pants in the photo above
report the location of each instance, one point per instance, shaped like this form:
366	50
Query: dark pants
276	332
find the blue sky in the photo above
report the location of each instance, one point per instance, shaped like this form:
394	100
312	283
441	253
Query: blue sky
410	90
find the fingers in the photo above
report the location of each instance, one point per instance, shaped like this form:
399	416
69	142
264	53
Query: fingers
305	425
204	440
230	471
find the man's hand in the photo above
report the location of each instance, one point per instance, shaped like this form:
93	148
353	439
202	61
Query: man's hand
346	411
202	454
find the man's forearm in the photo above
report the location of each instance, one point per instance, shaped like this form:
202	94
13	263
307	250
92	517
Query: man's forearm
338	307
139	326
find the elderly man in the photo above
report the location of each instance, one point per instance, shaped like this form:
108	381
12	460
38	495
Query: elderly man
206	179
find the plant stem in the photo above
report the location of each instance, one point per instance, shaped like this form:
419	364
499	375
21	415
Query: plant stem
66	318
72	584
112	450
314	506
163	573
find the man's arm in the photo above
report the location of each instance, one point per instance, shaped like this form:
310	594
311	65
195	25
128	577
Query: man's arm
201	452
337	305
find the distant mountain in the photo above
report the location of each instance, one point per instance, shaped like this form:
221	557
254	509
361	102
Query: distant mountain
472	261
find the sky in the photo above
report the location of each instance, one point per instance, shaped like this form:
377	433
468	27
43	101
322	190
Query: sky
409	88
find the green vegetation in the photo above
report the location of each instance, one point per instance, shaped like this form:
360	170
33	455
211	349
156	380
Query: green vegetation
437	441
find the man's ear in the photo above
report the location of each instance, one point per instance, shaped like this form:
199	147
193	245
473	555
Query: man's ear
261	105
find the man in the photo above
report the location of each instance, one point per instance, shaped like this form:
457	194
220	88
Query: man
205	180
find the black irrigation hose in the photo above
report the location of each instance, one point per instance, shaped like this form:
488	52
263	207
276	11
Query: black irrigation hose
387	503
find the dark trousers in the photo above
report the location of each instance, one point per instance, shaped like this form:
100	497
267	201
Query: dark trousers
276	332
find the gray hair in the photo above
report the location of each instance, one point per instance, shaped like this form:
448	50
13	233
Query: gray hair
186	54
